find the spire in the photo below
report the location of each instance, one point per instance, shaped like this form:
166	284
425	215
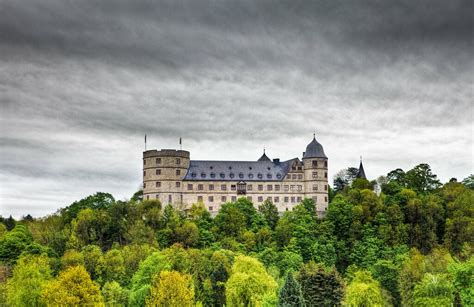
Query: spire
361	172
264	157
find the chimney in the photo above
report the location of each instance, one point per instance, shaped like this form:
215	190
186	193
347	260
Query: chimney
276	161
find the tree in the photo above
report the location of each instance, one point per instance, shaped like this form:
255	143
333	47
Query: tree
171	289
188	234
71	258
463	281
270	213
30	275
434	290
363	290
13	243
72	287
249	283
114	294
290	293
142	279
469	181
344	178
114	268
320	286
230	221
421	179
93	261
99	200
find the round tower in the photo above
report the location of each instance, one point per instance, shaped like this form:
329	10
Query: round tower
163	173
315	164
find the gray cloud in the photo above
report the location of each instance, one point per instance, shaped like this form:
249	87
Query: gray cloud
81	82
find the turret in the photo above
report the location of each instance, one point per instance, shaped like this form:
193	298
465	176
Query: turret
316	175
163	172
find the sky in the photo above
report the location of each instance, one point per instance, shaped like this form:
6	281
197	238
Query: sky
81	82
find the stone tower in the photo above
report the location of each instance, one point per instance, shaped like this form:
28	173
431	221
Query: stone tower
163	173
315	164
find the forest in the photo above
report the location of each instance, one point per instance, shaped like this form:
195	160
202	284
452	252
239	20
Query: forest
405	239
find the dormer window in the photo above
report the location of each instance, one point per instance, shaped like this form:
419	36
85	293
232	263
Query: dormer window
260	176
203	175
231	175
193	175
213	175
250	175
222	175
241	175
269	176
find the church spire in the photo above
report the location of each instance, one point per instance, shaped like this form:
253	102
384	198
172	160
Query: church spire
361	172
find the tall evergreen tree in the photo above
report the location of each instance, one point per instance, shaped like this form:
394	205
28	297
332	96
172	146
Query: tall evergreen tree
290	293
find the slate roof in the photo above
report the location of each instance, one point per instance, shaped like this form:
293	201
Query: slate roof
361	172
200	170
264	157
314	150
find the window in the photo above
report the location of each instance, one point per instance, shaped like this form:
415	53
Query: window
249	198
288	177
222	175
211	199
292	188
269	187
277	199
285	199
250	175
269	176
203	175
277	187
158	171
190	186
200	187
144	162
178	172
300	176
287	187
178	184
210	208
292	199
200	198
144	173
325	198
293	168
260	187
231	175
223	199
315	175
158	184
178	161
298	199
315	187
299	168
260	199
170	199
249	187
315	199
241	175
211	187
325	163
315	163
148	197
213	175
325	174
299	187
279	176
269	198
193	175
158	160
233	187
157	196
325	187
144	185
234	198
260	176
223	187
293	176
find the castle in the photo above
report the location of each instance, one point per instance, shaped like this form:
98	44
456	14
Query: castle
170	176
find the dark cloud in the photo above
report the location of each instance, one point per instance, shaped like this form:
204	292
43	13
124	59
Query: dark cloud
82	81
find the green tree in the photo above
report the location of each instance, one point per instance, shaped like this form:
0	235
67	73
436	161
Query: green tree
363	290
99	200
71	258
13	243
114	295
290	294
171	289
230	221
270	213
320	286
30	275
93	261
463	281
188	234
421	179
469	181
142	279
434	290
114	267
72	287
249	284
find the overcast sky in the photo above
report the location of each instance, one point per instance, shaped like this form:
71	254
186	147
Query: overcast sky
81	82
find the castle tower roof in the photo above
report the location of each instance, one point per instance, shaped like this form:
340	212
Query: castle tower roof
314	150
264	157
361	172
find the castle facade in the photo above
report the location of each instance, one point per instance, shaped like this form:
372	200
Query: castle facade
173	178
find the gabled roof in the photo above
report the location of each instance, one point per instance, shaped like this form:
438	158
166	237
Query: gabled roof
264	157
200	170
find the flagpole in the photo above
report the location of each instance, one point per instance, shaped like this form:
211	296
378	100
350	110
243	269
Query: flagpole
145	141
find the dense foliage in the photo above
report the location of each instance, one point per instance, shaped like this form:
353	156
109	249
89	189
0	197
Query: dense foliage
402	240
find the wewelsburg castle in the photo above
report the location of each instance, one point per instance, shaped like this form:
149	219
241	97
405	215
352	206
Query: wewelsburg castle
173	178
